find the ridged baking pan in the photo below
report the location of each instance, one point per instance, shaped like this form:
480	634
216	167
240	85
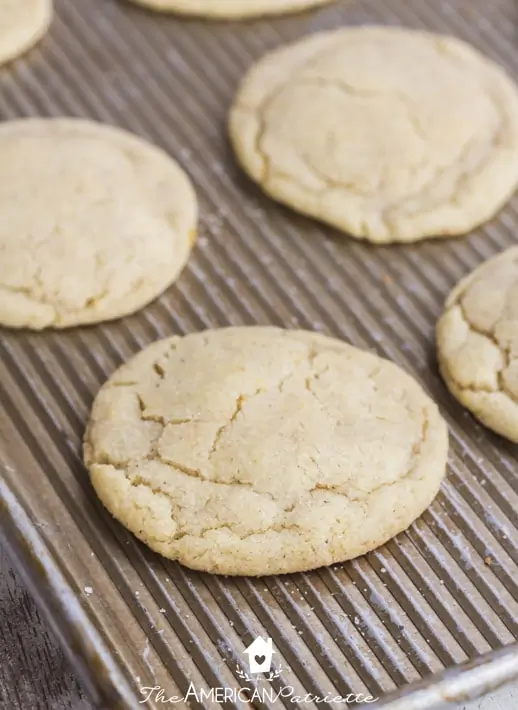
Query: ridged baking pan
440	596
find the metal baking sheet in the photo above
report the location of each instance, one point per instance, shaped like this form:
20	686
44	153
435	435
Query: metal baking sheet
440	596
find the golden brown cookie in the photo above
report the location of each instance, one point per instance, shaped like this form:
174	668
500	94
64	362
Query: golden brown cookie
22	24
477	343
94	222
389	134
253	451
231	9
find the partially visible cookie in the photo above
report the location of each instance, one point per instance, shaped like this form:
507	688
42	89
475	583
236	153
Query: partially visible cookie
389	134
94	222
477	343
231	9
254	451
22	24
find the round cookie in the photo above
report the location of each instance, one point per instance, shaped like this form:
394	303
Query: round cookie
231	9
388	134
22	24
254	451
477	343
94	222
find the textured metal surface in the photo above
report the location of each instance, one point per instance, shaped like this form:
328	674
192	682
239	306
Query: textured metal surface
440	595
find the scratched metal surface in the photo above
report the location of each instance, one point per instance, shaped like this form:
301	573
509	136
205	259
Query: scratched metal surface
442	594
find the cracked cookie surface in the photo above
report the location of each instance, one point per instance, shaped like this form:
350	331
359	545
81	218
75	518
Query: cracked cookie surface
236	9
390	135
477	343
94	222
22	24
260	451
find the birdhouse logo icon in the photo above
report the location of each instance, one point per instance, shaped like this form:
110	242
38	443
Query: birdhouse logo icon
260	654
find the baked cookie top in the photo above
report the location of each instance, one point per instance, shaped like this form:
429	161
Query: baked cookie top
259	451
230	9
94	222
477	343
22	24
389	134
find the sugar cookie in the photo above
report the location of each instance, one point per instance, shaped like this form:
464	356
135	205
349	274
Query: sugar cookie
252	451
22	24
477	343
94	222
391	135
231	9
